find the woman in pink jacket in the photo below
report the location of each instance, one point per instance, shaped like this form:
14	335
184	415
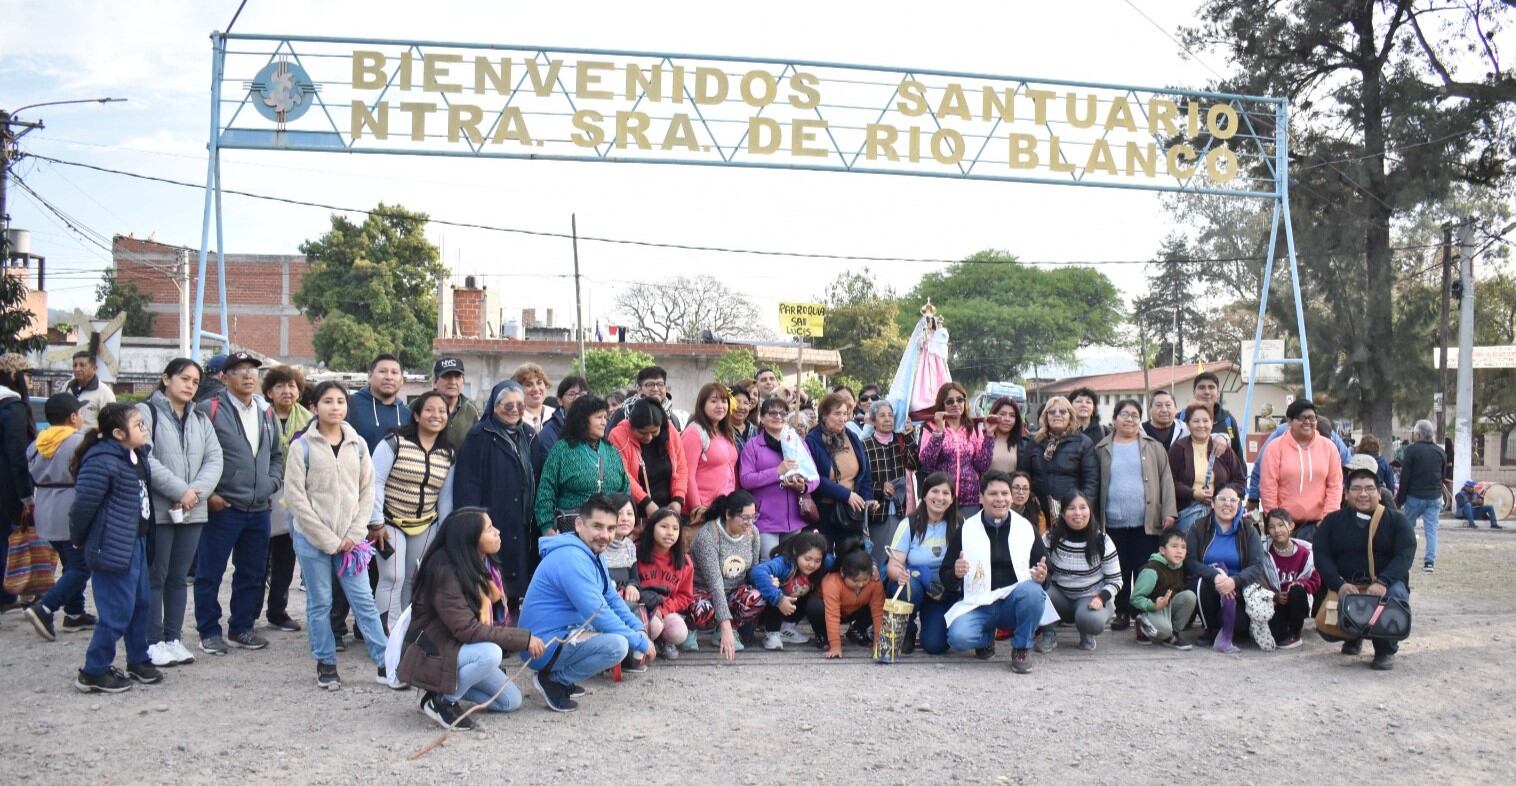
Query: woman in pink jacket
710	448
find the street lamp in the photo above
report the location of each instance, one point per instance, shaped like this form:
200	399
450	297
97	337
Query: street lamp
9	154
15	112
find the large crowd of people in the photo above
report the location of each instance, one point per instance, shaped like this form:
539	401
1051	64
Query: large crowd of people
577	533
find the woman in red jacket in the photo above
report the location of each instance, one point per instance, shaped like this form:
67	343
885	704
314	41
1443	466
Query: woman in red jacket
653	456
667	579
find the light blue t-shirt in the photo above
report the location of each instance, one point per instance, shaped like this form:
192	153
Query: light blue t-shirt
922	555
1124	494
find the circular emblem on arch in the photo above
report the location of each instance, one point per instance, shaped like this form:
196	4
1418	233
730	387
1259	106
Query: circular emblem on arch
282	91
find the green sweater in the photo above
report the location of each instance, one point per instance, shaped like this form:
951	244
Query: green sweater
460	421
1146	587
572	473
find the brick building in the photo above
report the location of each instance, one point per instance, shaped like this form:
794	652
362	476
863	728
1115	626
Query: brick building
260	295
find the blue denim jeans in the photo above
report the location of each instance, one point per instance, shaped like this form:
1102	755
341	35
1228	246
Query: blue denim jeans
319	570
929	616
68	593
242	537
122	601
479	676
1018	612
1469	512
578	662
1427	510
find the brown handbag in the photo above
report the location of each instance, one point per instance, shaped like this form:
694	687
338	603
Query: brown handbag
1328	614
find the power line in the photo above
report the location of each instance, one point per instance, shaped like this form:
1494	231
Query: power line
666	245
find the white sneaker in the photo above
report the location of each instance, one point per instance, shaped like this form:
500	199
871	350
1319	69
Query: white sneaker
792	635
160	654
773	641
182	656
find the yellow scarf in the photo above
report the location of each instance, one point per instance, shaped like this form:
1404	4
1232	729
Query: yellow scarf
52	437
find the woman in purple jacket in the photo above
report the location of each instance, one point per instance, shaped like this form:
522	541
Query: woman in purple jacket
760	471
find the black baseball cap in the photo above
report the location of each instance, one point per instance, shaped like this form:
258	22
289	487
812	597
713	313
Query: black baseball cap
60	405
445	366
241	357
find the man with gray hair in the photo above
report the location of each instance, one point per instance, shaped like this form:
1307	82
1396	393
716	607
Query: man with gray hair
1420	493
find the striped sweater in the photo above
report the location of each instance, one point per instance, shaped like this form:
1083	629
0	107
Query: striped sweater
1072	572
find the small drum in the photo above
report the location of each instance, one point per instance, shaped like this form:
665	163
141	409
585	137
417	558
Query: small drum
1498	497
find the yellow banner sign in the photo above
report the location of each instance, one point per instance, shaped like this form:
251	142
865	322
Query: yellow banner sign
807	320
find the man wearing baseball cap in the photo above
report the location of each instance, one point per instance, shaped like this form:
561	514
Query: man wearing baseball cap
213	383
238	529
1341	551
1470	505
462	414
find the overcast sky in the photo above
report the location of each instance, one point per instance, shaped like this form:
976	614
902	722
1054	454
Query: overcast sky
157	54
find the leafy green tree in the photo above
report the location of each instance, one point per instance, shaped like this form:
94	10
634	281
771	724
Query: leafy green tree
735	366
1005	317
815	388
610	369
15	317
1495	323
371	288
1396	103
862	323
123	297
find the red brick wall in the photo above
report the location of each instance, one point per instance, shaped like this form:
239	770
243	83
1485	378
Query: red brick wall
260	305
468	312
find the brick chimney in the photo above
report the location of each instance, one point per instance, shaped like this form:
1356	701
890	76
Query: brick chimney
529	317
469	312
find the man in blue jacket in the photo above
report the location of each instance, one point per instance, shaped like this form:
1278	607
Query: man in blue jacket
377	409
238	529
572	587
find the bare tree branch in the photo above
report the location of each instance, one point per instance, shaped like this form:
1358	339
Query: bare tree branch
681	308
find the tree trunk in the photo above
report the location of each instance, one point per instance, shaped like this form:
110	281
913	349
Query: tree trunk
1375	368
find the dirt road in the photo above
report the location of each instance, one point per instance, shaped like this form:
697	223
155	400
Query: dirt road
1125	714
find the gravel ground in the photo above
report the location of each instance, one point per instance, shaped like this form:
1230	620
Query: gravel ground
1125	714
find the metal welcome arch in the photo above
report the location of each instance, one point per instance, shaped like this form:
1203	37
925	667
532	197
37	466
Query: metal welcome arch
480	100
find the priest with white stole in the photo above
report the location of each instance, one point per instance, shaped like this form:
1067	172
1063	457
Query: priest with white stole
1000	564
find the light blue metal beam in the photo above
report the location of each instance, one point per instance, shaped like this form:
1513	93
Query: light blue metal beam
212	187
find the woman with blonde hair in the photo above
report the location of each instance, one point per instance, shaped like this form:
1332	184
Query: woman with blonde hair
1066	455
534	383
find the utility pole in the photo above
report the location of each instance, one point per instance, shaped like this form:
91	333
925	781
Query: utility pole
9	154
1463	444
1142	337
578	301
184	303
1442	335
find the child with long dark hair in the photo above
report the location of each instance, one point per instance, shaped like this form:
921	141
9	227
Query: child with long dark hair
457	636
329	490
111	521
666	577
850	594
786	582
